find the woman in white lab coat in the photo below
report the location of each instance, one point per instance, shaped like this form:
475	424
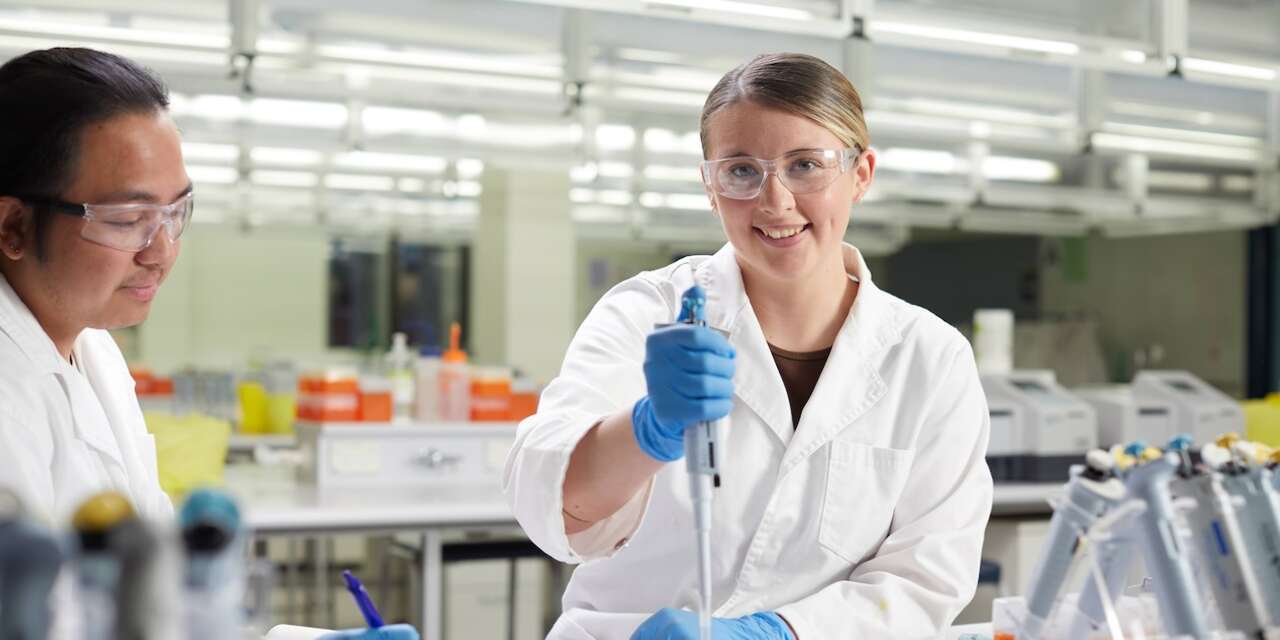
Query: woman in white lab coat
849	507
81	126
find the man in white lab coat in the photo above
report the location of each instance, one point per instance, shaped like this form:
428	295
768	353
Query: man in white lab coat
93	198
854	489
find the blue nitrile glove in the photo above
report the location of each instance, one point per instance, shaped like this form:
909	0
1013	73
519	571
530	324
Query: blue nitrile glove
678	624
689	372
385	632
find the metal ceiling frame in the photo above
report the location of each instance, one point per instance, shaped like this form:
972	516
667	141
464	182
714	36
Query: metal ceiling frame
854	28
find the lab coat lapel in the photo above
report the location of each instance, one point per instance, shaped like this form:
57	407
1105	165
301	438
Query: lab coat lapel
113	387
17	322
850	383
91	424
756	383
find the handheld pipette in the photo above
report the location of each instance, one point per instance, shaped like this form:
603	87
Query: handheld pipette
127	573
1166	556
1113	555
1090	493
30	557
1147	473
1224	551
215	574
1258	516
704	475
97	568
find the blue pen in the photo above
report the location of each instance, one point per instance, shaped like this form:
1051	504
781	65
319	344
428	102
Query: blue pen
362	600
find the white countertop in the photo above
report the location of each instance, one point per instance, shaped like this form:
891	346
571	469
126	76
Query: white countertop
982	630
275	502
1024	498
249	441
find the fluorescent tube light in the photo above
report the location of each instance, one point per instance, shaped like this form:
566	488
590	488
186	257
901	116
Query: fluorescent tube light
207	106
1105	140
298	113
526	135
471	124
976	37
1229	69
392	120
393	162
730	6
614	197
582	173
468	188
212	175
667	141
589	171
1188	135
973	111
359	182
1133	56
469	167
441	59
465	79
651	200
284	178
667	172
411	185
210	152
688	201
1020	169
648	55
615	169
918	161
183	38
284	156
659	96
615	137
946	163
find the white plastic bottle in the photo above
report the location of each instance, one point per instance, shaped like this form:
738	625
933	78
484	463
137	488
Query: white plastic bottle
426	393
455	380
400	371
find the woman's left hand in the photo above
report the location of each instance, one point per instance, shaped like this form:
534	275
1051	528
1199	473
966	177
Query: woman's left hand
678	624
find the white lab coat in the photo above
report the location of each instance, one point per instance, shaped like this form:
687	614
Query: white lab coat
67	432
866	521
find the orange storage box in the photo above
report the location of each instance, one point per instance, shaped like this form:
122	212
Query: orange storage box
328	397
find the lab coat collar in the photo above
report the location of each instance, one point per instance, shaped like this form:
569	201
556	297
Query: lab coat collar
92	425
850	383
756	383
17	322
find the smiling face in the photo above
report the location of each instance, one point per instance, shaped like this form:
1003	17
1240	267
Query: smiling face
130	158
779	236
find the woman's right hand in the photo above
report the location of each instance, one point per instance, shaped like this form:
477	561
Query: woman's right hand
688	370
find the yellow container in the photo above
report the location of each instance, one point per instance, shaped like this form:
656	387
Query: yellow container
282	411
191	451
1262	420
253	407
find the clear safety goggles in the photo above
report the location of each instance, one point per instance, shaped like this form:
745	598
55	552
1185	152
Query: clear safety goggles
807	171
127	227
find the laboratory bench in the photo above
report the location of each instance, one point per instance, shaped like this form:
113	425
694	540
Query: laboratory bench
449	524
